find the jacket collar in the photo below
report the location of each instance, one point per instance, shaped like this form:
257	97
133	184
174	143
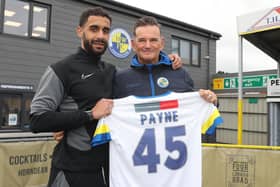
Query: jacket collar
92	58
163	60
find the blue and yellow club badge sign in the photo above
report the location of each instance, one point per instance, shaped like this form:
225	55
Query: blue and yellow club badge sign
119	43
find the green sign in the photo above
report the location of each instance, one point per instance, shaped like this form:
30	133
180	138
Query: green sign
230	83
248	81
253	100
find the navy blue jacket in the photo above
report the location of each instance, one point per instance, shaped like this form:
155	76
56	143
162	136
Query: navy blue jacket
151	79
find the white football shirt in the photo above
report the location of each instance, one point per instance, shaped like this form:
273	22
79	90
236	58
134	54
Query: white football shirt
156	141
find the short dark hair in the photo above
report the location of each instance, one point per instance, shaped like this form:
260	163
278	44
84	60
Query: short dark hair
97	11
145	21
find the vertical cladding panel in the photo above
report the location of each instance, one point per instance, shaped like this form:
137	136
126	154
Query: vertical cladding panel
226	136
250	138
227	104
230	120
230	137
255	124
255	105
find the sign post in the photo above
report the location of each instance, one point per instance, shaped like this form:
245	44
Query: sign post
273	87
240	96
273	100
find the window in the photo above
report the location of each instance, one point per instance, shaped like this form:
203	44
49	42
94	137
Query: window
14	111
195	54
25	18
175	46
189	51
185	51
10	110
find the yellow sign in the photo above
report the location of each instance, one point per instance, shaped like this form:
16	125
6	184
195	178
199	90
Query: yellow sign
218	84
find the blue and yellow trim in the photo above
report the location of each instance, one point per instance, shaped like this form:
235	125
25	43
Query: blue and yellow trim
210	124
101	135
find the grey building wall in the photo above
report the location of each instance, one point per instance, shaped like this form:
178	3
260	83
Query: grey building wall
22	60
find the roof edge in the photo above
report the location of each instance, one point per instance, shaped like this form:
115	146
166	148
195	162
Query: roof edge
138	12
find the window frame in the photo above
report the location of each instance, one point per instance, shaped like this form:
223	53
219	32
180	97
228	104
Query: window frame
191	63
30	20
23	119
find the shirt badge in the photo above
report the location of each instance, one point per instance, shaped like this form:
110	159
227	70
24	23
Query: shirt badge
162	82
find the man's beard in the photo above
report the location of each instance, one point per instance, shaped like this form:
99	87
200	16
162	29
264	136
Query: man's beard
88	44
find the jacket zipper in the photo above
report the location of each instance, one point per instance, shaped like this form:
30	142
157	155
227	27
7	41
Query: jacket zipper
151	80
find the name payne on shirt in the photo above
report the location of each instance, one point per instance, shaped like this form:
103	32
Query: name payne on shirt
158	117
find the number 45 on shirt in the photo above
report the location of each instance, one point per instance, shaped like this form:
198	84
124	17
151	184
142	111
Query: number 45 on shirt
151	158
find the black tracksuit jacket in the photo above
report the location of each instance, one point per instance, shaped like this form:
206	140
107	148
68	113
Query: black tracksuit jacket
66	90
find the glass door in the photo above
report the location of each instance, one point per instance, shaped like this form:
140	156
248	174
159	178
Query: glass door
10	111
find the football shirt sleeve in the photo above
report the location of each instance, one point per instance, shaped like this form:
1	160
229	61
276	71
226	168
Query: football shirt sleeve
214	119
102	133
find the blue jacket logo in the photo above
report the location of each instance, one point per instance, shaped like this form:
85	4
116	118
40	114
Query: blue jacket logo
162	82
